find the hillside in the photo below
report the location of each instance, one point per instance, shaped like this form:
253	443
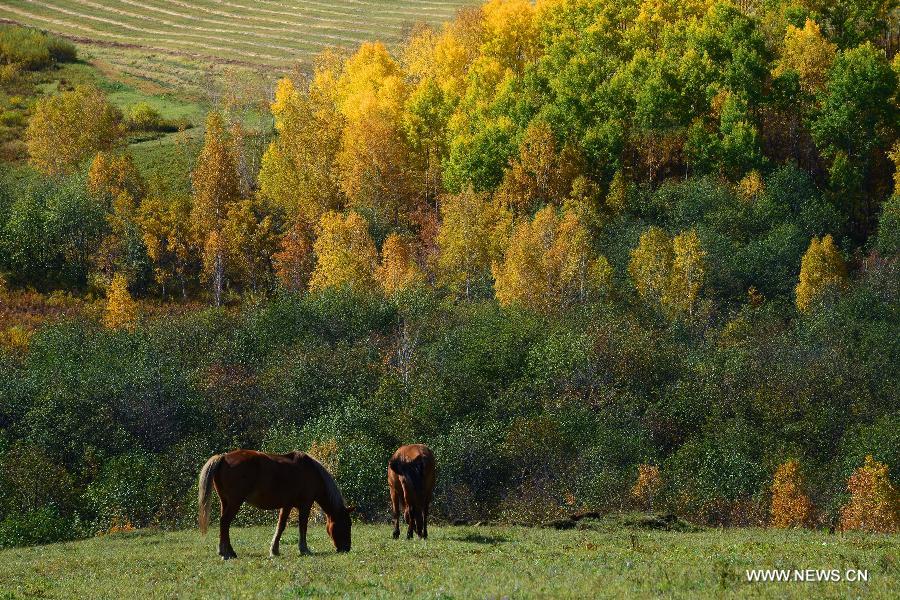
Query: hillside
270	32
510	561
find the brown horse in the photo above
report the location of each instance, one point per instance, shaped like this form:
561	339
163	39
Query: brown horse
411	475
270	481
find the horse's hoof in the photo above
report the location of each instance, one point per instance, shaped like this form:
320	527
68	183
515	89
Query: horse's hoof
395	535
274	553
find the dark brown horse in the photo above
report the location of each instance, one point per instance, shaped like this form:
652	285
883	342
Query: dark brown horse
411	474
270	481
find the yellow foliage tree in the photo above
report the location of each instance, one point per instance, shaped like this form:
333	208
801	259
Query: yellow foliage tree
687	274
250	241
874	501
541	174
294	260
114	174
398	270
668	272
472	232
375	159
822	268
807	53
791	506
648	484
548	263
216	187
345	253
67	128
650	267
121	309
510	32
165	224
299	173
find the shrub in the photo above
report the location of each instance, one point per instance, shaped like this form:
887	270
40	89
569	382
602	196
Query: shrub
144	117
791	507
647	485
33	49
42	526
127	491
874	501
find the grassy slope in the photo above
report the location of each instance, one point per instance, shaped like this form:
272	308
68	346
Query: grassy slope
271	32
454	562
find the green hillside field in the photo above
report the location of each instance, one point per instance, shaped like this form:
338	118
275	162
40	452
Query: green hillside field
455	562
269	32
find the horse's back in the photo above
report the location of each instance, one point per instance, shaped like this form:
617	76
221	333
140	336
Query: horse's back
265	480
415	461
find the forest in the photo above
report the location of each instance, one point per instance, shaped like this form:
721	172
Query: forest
598	254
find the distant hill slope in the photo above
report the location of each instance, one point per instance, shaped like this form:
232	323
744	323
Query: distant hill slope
268	32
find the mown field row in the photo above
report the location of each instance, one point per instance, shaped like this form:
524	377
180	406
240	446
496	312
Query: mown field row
275	32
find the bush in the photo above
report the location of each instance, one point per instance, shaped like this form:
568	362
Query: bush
143	117
874	501
42	526
32	49
790	504
127	491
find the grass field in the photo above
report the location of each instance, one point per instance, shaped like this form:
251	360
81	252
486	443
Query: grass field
456	562
270	32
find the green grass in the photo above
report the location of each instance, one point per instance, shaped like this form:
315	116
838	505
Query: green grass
271	32
456	562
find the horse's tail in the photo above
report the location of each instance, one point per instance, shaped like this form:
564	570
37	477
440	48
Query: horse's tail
204	487
413	470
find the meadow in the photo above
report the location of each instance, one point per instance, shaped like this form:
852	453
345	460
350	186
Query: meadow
455	562
278	33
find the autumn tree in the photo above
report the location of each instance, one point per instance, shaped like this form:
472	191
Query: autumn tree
650	267
874	501
791	506
294	260
250	239
299	173
375	158
549	263
67	128
821	269
540	174
472	233
807	53
398	269
121	250
216	187
165	223
121	309
113	174
688	271
669	271
345	253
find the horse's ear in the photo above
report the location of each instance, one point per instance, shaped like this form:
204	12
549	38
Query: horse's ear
351	509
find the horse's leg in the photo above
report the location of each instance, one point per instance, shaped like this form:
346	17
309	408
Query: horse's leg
425	522
420	522
283	515
395	508
410	521
304	523
229	511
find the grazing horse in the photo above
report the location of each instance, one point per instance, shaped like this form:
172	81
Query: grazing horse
270	481
411	474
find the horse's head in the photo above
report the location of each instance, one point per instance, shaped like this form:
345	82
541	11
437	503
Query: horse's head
339	529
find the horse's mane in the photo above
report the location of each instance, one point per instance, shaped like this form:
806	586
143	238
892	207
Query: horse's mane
331	488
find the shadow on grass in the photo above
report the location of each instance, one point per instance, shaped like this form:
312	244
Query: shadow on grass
478	538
